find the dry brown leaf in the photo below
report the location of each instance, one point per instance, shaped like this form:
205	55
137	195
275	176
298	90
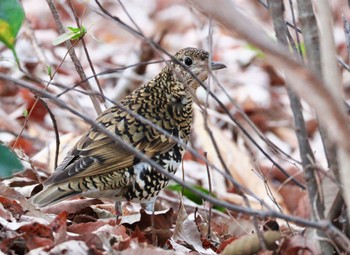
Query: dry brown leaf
162	226
11	193
250	244
236	159
186	232
293	198
287	135
298	244
70	206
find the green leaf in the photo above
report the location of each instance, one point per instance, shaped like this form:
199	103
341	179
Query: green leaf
11	18
257	51
78	32
25	113
74	34
9	163
301	46
49	71
194	197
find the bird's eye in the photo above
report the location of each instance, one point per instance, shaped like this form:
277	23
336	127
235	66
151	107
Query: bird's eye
188	61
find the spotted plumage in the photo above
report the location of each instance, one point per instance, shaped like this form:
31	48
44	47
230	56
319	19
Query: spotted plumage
99	167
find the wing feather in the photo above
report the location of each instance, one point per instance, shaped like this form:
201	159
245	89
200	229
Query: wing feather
96	154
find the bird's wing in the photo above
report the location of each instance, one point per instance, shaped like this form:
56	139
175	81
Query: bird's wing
96	154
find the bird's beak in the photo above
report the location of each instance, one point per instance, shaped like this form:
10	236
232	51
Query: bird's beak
217	65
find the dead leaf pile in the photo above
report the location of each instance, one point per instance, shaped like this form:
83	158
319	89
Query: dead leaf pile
249	91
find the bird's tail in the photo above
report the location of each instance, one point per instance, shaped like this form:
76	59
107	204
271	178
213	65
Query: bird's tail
52	194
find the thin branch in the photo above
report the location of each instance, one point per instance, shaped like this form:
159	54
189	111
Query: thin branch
86	51
57	136
72	54
26	120
347	34
210	193
295	29
292	25
306	154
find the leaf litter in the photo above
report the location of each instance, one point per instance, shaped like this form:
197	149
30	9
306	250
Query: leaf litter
88	226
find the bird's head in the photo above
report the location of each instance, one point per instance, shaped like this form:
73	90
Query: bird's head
195	60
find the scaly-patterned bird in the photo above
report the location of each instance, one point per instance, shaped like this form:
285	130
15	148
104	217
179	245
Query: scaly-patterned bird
99	167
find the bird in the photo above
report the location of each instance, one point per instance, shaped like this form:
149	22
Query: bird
99	167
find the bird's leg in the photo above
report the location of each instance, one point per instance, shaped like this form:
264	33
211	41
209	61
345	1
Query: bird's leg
118	211
149	206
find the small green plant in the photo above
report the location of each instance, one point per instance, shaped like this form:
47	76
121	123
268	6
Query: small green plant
74	33
192	196
25	113
49	71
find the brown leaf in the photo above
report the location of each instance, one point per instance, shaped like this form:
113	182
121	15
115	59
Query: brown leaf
86	227
6	88
250	244
304	207
298	244
86	214
186	232
11	193
162	224
36	235
24	144
70	206
12	206
236	158
59	226
39	111
294	198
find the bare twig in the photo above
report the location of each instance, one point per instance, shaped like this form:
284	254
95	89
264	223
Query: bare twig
295	29
210	193
37	100
293	25
306	154
347	34
312	45
331	76
86	51
72	54
104	73
57	136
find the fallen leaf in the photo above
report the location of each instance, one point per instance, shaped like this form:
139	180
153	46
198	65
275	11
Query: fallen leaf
162	224
250	244
37	235
298	244
12	206
187	233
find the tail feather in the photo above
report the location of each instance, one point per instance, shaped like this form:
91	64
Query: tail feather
51	195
